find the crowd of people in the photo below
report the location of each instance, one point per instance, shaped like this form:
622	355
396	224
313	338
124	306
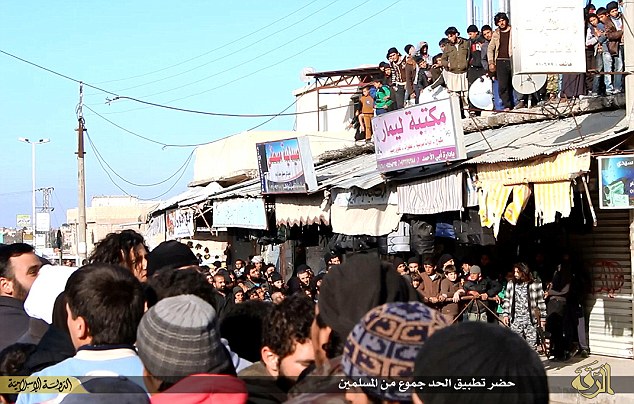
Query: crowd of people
488	51
175	331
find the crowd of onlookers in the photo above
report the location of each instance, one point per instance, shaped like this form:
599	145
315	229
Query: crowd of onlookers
238	332
488	51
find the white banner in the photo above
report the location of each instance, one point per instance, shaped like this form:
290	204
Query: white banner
179	224
548	36
246	213
43	221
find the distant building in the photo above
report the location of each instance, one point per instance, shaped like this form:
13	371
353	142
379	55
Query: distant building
107	214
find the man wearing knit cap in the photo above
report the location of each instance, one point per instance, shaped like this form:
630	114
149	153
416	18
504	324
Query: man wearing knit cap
480	289
476	350
170	255
384	345
397	63
475	69
182	354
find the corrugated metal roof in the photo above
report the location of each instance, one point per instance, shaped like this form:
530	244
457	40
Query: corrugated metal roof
359	171
522	142
512	143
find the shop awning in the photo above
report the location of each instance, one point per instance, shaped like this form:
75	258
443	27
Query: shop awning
372	212
451	191
551	177
302	210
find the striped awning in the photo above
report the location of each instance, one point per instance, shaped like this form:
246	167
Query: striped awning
447	192
558	167
302	210
551	179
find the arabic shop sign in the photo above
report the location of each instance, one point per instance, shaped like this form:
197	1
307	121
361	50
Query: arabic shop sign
616	182
554	22
421	135
286	166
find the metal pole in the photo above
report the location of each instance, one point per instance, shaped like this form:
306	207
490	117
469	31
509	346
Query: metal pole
33	220
81	187
628	45
469	12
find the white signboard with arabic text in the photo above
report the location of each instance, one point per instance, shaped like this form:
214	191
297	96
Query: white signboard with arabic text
548	36
421	135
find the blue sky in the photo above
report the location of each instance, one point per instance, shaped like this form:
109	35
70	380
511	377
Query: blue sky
189	54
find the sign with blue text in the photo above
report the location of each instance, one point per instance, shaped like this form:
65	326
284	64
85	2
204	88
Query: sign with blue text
286	166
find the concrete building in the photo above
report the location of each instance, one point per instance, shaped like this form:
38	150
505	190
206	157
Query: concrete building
107	214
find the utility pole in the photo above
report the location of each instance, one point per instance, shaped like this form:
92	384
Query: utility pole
628	45
46	208
81	180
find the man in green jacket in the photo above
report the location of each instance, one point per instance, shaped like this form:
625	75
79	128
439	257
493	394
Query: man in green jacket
382	97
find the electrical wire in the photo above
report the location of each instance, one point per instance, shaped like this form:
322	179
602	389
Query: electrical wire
56	73
215	49
166	145
224	57
251	74
261	55
133	183
101	163
194	111
159	105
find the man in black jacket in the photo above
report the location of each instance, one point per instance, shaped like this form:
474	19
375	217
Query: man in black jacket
19	267
481	289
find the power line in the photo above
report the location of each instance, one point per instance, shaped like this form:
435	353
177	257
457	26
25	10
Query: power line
223	57
166	145
251	74
194	111
134	183
213	50
101	163
56	73
116	96
268	52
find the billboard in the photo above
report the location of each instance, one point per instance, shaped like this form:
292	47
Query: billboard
179	223
616	182
23	221
554	22
424	134
286	166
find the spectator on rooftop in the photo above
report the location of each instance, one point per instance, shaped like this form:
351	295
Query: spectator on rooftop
499	53
382	100
397	62
410	73
475	69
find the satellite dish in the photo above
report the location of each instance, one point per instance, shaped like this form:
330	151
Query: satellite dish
528	83
481	93
304	74
429	95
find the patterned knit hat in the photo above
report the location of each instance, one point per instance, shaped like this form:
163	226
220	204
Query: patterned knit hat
384	344
177	337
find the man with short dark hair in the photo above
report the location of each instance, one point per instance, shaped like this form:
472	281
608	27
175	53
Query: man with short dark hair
287	348
104	304
19	266
499	54
455	60
475	70
397	63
